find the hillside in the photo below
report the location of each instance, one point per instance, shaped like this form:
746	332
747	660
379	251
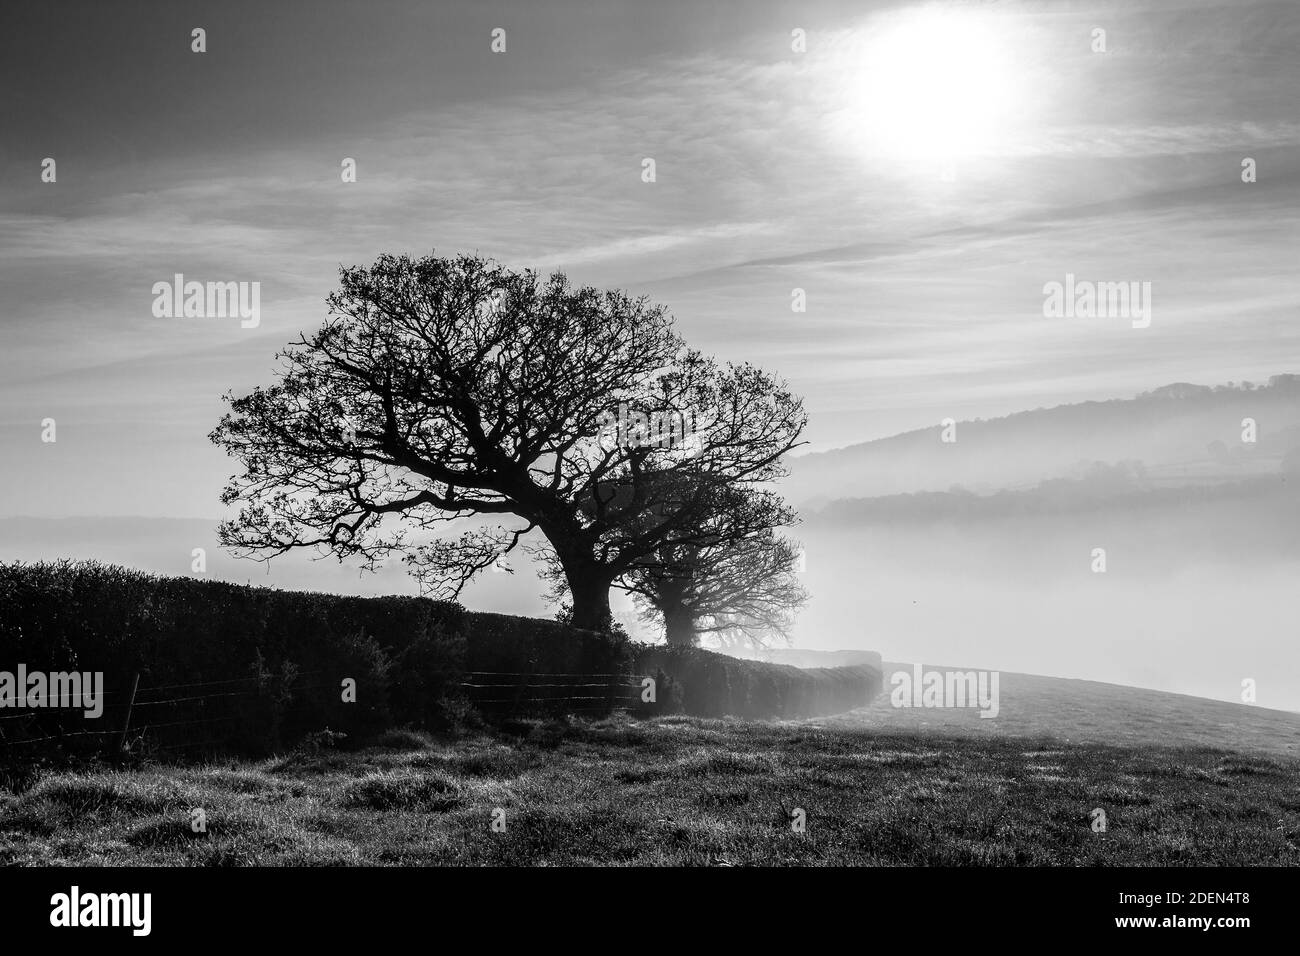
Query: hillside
1091	712
1181	433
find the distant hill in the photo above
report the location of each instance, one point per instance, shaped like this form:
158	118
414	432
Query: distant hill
1274	500
1181	433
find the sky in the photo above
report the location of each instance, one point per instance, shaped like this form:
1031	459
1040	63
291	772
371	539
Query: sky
919	171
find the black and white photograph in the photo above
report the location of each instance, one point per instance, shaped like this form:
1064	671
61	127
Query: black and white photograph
480	436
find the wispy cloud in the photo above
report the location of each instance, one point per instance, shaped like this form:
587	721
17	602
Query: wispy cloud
920	291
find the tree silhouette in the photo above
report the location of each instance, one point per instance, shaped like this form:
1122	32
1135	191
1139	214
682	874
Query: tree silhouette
733	578
741	591
442	389
747	597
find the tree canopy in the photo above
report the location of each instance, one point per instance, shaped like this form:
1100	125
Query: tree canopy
442	388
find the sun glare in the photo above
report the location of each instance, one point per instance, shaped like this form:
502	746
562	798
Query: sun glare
934	85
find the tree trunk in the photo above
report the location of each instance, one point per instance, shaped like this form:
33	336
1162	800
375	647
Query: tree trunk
589	581
590	601
679	620
679	629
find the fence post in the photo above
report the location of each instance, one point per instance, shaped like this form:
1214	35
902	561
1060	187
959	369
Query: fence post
121	741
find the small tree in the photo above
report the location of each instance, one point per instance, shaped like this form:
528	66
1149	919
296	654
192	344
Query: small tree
449	388
745	595
732	579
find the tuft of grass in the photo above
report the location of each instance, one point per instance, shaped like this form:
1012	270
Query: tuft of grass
403	739
404	790
725	764
106	792
496	763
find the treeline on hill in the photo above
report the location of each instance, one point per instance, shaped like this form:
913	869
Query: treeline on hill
1107	488
253	669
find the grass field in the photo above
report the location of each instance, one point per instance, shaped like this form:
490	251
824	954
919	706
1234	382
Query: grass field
878	787
1082	711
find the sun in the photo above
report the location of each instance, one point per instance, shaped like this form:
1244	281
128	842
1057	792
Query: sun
935	84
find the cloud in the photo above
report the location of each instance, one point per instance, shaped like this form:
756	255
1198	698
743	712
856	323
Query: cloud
913	284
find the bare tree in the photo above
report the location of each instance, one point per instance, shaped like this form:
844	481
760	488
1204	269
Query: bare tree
732	579
448	388
743	594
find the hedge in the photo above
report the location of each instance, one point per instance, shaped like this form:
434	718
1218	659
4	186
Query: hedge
265	666
253	669
585	672
707	684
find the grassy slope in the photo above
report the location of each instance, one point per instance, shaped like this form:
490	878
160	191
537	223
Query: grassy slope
1092	712
878	786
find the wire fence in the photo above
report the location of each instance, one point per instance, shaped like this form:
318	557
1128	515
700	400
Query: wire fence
150	717
496	692
163	717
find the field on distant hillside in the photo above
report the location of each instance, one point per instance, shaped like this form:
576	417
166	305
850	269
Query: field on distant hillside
876	787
